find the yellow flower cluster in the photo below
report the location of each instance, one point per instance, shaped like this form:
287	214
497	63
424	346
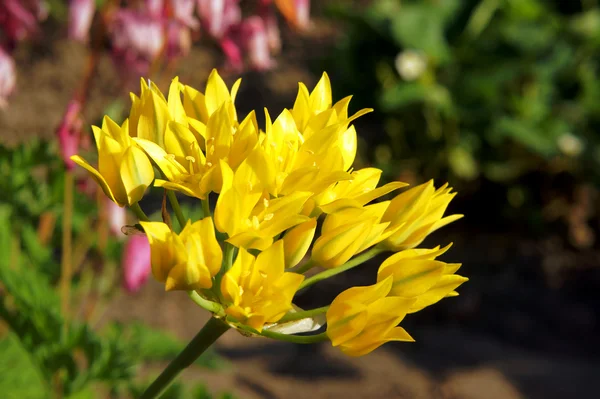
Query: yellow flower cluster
272	188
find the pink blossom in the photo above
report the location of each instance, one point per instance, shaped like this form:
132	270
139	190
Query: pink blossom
218	16
233	52
256	43
179	40
117	218
19	18
183	12
69	133
8	77
136	262
81	14
137	40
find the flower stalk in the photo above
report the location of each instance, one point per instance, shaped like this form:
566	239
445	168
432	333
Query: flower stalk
207	336
139	212
176	208
360	259
66	260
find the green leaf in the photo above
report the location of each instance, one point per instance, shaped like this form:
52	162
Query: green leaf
21	377
421	26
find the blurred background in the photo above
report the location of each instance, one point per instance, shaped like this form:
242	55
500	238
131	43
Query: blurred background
500	98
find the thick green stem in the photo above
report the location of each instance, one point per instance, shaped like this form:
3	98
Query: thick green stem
207	336
176	208
303	314
139	212
346	266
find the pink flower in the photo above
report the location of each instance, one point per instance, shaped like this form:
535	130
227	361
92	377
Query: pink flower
19	18
81	14
183	12
8	77
233	53
136	263
137	40
117	218
256	43
218	16
69	133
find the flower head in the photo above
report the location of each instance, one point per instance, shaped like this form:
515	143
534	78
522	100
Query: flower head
258	290
416	213
185	261
269	190
124	172
361	319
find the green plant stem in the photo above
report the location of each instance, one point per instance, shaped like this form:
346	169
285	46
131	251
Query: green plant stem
305	267
205	207
211	306
346	266
296	339
207	336
303	314
227	263
176	208
139	212
66	261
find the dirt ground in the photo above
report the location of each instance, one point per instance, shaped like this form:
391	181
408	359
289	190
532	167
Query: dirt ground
509	335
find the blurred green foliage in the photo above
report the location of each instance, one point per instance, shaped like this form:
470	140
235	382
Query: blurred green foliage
42	354
477	90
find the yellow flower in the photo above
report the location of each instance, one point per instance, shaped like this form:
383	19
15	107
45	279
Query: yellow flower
361	319
416	274
313	112
357	192
151	112
348	232
250	219
257	290
416	213
200	106
187	261
124	172
297	240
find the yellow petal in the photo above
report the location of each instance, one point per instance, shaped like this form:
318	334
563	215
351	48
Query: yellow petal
98	177
411	277
443	287
136	173
174	104
297	241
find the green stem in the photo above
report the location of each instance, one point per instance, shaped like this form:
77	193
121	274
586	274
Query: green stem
139	212
67	253
227	263
305	267
337	270
205	207
303	314
211	306
176	208
207	336
296	339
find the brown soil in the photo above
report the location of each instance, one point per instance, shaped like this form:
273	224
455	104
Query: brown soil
507	336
